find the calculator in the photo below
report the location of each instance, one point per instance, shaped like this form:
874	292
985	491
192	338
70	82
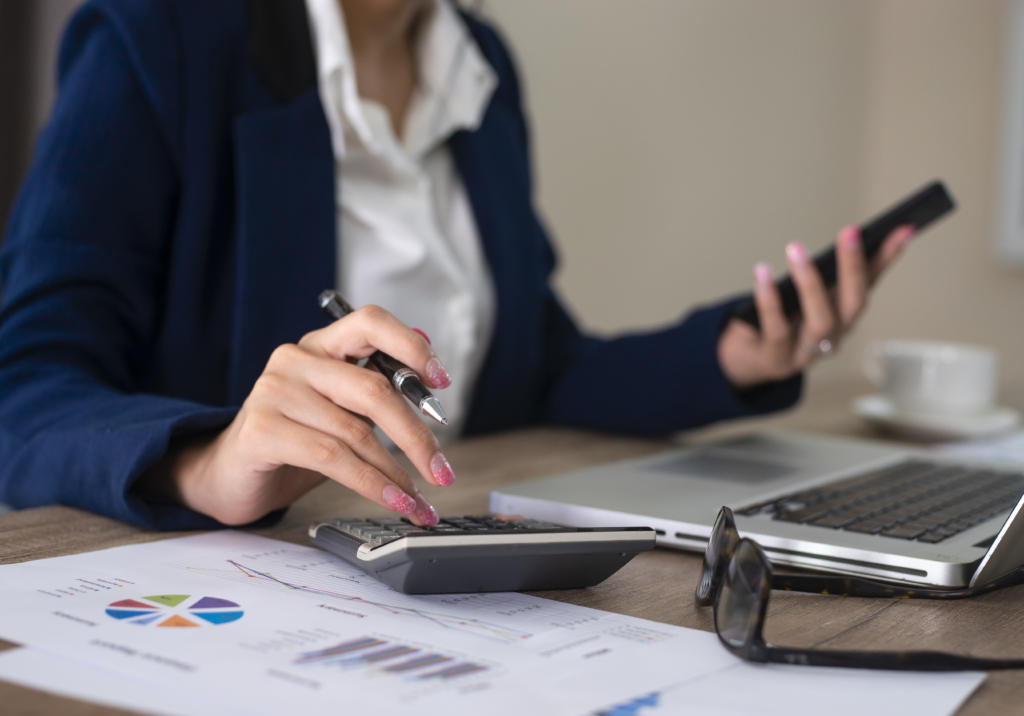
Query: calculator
483	553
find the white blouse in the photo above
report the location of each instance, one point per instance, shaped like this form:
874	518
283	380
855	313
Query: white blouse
407	239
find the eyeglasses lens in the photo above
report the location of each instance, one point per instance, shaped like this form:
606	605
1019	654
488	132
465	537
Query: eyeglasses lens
712	554
739	603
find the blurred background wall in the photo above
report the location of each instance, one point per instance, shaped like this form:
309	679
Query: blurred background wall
677	142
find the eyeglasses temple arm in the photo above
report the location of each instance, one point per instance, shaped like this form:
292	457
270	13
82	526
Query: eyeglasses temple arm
896	660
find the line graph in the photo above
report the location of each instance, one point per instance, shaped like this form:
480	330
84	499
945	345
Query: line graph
478	627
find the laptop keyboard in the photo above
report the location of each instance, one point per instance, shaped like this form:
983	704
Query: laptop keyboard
913	500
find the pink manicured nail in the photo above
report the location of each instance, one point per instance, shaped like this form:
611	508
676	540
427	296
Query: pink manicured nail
436	374
763	274
441	470
797	253
427	515
906	234
850	237
425	336
398	500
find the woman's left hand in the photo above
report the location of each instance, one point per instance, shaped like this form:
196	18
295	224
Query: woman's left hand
782	347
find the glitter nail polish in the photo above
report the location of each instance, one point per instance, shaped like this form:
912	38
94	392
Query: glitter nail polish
427	515
436	374
398	500
441	469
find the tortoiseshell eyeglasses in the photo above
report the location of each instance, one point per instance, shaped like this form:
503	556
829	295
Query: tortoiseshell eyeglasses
737	579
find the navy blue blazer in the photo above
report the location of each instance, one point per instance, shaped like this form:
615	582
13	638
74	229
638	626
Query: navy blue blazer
178	223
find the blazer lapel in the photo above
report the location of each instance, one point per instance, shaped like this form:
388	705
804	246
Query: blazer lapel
284	170
493	165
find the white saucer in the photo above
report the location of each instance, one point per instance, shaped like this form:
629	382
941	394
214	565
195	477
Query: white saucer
880	411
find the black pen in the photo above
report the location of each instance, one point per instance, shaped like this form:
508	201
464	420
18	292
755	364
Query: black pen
403	377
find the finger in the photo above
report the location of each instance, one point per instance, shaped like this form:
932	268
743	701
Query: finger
818	315
304	405
371	328
776	332
283	441
368	393
853	275
359	435
364	392
891	250
425	513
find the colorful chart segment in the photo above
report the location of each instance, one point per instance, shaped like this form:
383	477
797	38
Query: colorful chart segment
169	610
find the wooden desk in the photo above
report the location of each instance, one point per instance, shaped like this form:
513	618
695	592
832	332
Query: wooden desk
656	585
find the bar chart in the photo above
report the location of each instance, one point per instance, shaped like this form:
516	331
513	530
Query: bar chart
389	657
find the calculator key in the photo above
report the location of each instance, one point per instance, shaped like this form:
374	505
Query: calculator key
346	524
356	530
540	525
496	524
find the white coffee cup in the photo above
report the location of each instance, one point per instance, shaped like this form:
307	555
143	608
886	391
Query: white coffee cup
933	376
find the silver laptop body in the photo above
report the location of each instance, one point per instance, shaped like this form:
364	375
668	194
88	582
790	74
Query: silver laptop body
679	492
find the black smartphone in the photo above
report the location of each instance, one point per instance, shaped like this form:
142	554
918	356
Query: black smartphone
918	210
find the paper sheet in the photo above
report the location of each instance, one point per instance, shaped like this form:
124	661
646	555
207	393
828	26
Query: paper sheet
775	690
1004	448
242	624
73	679
737	690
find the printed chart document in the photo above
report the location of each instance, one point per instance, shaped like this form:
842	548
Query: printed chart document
235	623
77	680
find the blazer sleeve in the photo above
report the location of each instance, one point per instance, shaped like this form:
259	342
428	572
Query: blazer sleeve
81	276
650	382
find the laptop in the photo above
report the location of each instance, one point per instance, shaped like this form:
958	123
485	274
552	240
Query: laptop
841	505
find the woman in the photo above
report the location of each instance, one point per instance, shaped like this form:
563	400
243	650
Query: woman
209	168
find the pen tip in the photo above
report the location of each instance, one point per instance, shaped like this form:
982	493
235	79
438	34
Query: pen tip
432	407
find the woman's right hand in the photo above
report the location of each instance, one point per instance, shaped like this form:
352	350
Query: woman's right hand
311	415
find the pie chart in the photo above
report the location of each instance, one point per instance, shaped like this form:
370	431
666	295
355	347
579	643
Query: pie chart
175	610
